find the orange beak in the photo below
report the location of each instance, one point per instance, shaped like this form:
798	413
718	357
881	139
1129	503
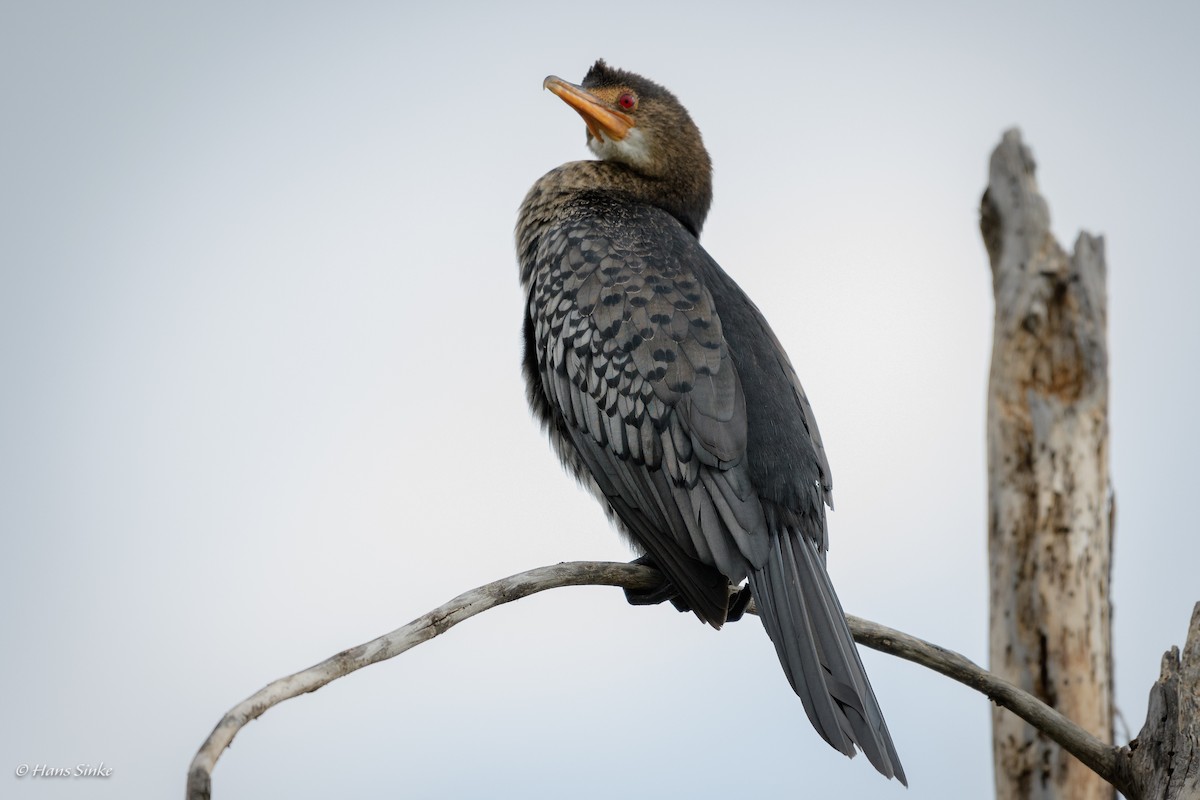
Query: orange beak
601	118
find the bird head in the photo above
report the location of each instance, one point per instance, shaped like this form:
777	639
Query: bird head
635	122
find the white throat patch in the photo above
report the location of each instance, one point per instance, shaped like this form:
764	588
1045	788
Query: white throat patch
631	150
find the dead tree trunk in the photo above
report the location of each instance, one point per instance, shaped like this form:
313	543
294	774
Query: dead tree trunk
1163	762
1049	526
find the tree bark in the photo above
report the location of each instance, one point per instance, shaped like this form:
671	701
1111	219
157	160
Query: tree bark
1049	523
1163	762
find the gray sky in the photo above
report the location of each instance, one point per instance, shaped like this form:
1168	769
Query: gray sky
259	333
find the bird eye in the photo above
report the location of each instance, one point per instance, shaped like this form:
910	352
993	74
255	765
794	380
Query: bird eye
627	101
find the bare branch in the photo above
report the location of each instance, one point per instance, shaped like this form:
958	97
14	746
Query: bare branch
421	629
1100	757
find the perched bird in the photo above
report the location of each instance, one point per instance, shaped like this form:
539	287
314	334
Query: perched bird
664	390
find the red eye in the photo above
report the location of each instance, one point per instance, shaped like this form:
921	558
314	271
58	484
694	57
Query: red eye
627	101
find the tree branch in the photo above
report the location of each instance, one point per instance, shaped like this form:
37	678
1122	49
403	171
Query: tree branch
1095	754
1100	757
421	629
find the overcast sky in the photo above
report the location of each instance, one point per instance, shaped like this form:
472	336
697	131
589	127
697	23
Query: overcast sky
259	340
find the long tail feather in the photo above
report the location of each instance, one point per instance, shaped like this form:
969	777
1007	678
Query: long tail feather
804	619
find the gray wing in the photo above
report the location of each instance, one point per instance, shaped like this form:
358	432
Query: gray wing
633	361
788	468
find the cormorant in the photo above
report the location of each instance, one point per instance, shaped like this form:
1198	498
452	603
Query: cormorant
664	390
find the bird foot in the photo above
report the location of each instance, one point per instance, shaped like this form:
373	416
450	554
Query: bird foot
739	599
661	593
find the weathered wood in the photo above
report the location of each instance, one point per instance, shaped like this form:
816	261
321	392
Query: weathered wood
1050	533
1163	762
421	629
628	576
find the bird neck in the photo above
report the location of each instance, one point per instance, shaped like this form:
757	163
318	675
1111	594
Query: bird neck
685	195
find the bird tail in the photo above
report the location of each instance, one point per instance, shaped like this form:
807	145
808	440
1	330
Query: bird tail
804	619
